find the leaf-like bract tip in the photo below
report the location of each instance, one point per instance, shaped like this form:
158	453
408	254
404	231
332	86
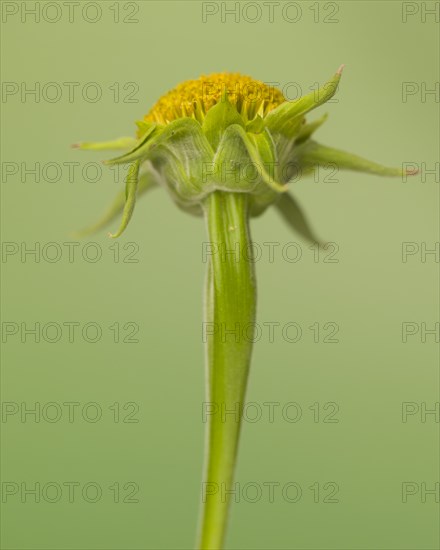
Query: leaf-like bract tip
411	172
341	68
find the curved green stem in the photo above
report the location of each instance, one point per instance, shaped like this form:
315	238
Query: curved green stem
229	331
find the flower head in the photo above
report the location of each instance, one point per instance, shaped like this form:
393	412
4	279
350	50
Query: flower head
231	133
194	98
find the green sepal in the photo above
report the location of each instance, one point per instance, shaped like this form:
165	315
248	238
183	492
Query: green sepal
181	154
115	144
256	125
294	216
143	127
312	154
146	182
140	148
131	184
287	118
308	129
218	118
237	150
264	194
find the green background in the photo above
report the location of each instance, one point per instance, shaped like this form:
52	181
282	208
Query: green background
369	292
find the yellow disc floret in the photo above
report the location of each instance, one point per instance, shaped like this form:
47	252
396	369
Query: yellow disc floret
193	98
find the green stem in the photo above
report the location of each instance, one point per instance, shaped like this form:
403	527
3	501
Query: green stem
229	328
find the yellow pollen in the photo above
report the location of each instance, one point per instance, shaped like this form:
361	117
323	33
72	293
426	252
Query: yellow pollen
193	98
